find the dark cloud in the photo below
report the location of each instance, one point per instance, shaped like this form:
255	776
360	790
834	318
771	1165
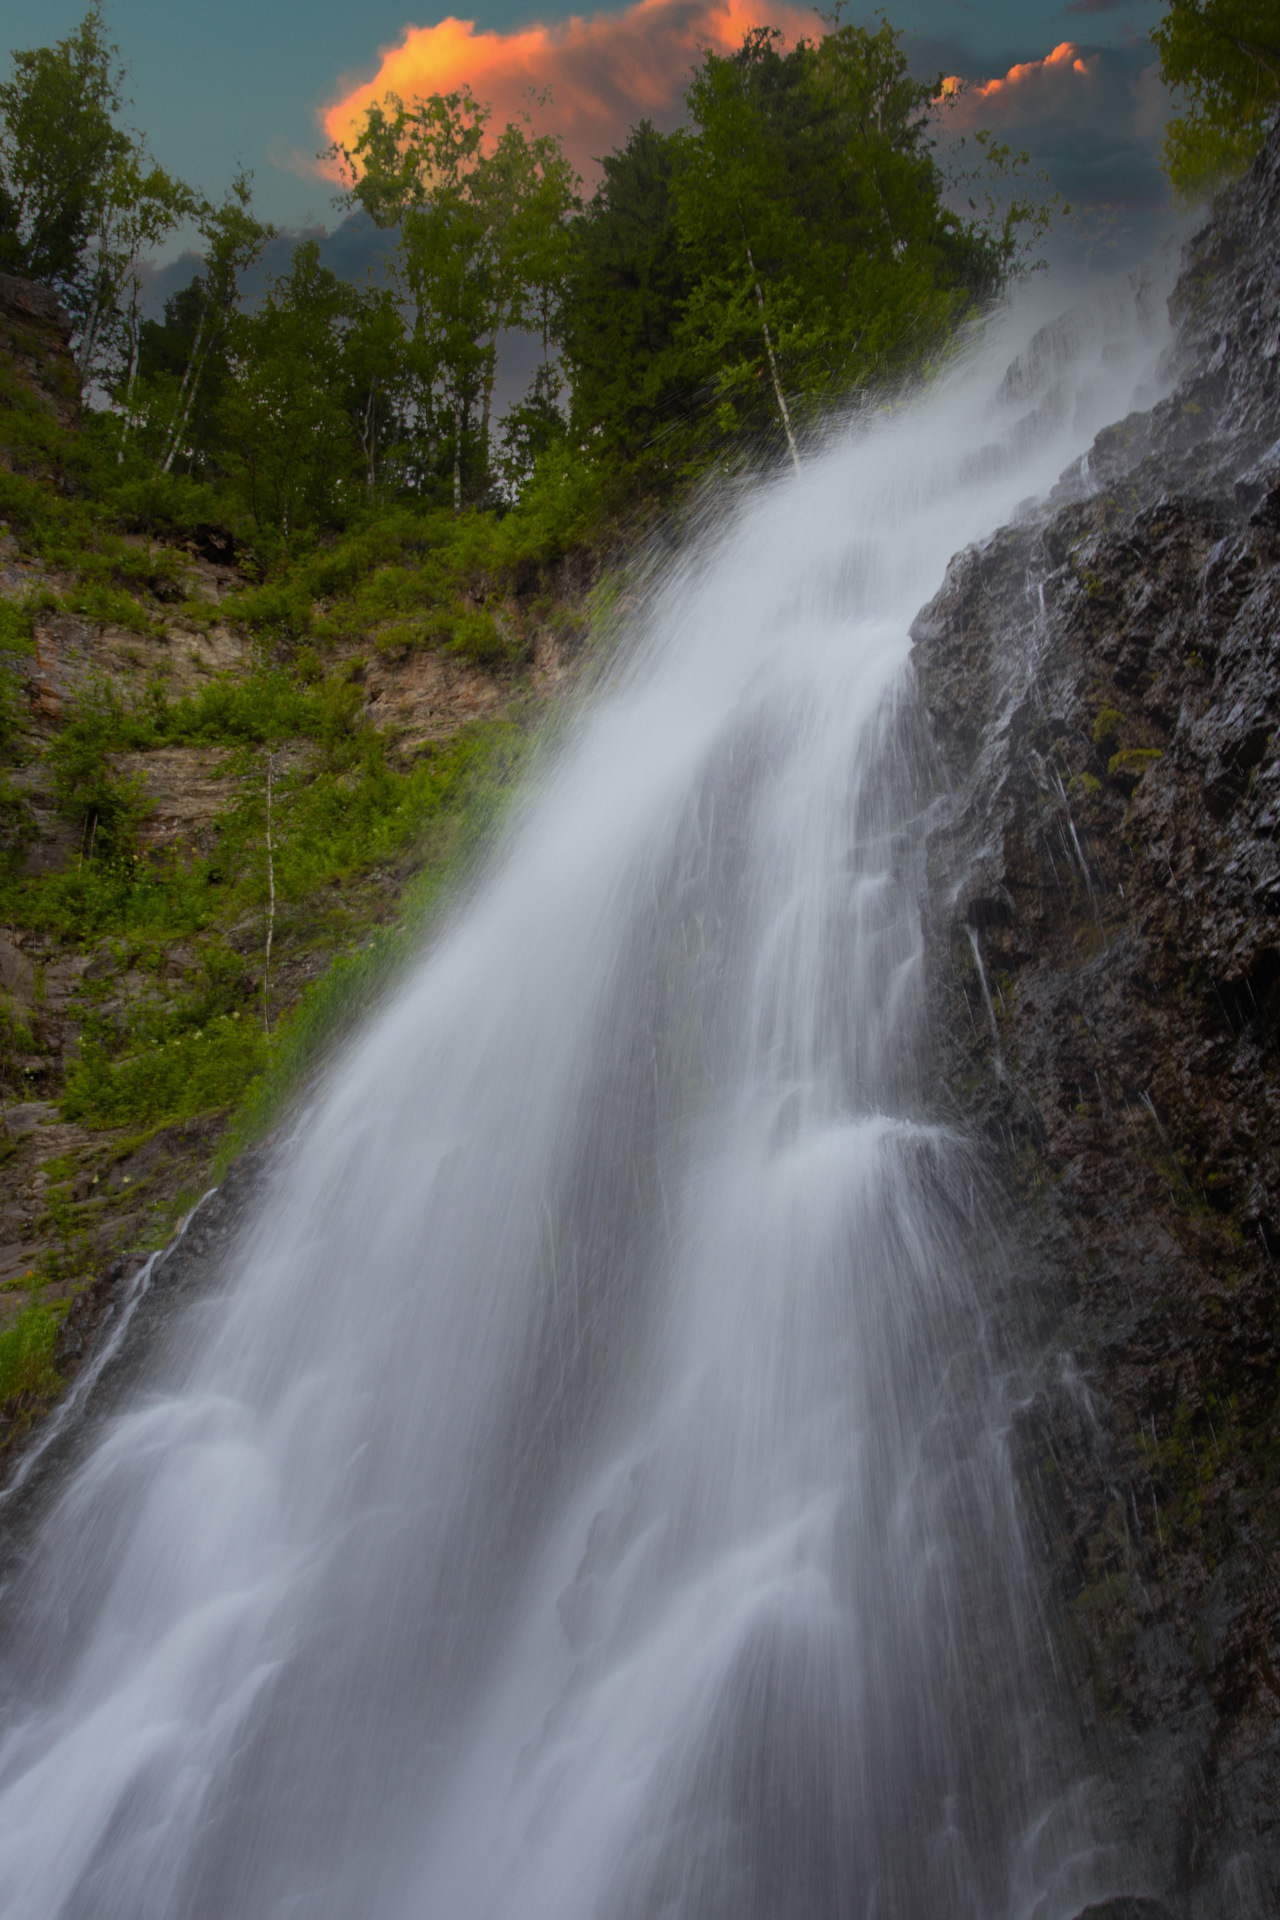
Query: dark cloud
1091	118
354	249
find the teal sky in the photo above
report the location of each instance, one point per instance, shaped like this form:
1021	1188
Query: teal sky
240	82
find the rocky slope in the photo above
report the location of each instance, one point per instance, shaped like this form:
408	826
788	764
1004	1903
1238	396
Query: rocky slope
81	1199
1102	685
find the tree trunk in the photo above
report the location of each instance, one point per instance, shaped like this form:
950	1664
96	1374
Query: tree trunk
271	907
89	338
187	391
457	454
135	333
773	363
369	434
490	375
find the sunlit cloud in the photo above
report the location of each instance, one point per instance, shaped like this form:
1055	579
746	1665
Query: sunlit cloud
600	74
1025	88
1090	115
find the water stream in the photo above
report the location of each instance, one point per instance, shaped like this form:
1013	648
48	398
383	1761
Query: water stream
590	1497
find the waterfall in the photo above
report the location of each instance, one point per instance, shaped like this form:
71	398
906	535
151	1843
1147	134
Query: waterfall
589	1495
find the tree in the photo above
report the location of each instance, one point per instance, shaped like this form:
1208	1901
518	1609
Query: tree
626	286
373	364
1223	58
531	429
811	214
290	418
790	245
81	203
234	240
164	351
59	151
140	204
481	248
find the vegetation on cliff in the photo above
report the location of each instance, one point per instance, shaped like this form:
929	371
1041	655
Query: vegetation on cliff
282	600
1222	59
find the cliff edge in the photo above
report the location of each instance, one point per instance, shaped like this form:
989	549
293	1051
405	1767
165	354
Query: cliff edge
1102	685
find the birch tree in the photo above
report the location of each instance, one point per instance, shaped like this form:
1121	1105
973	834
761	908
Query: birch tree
234	240
481	248
810	211
59	146
141	205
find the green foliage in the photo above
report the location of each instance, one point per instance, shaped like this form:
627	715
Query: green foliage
791	245
109	606
482	246
1222	58
289	418
167	407
104	806
193	1072
811	210
473	781
207	1051
80	203
17	619
26	1355
58	149
139	205
627	285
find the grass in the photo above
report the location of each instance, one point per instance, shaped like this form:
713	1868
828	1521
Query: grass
368	840
26	1356
350	985
203	1049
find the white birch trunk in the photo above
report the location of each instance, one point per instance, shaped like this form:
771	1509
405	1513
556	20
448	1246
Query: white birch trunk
783	409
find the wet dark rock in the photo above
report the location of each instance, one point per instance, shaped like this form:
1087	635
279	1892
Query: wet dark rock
1102	684
153	1355
213	543
1127	1907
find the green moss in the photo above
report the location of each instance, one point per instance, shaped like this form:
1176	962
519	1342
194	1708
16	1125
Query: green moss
1107	725
1133	759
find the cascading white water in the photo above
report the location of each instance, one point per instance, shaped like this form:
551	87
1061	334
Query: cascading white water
589	1499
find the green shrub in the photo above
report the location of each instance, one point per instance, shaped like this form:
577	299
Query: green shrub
26	1355
109	606
195	1072
102	803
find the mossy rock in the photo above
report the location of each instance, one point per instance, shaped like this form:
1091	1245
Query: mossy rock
1107	725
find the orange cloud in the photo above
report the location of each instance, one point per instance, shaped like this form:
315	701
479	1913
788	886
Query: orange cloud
1064	58
602	74
1032	88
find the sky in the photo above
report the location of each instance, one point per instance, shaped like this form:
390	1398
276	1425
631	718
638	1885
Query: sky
266	84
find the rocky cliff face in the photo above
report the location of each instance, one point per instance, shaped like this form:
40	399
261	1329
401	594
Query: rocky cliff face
1102	683
35	349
